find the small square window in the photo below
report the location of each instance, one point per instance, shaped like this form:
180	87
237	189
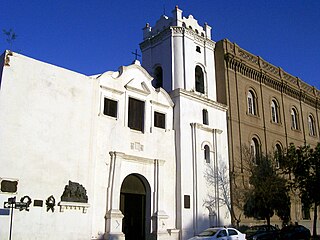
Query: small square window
159	120
198	49
110	107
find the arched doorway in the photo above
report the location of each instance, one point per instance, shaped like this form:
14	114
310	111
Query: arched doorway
135	206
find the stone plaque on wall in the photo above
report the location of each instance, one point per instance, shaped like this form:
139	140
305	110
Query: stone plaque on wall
37	203
9	186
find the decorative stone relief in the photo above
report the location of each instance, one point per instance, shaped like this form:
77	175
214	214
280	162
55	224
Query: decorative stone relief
74	197
50	203
74	192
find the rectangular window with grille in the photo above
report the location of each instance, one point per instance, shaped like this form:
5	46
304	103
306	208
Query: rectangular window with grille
136	114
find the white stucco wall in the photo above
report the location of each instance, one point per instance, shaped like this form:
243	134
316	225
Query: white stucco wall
45	132
153	57
190	159
52	130
143	148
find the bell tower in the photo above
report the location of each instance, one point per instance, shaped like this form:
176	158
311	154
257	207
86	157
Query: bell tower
179	53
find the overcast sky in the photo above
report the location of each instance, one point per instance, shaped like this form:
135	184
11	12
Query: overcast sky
95	36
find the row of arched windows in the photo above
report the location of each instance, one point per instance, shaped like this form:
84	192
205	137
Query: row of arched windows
255	148
198	78
252	109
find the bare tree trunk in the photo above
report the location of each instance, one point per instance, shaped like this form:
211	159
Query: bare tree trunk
315	217
268	221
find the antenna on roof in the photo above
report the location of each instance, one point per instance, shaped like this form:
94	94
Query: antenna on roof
10	36
164	9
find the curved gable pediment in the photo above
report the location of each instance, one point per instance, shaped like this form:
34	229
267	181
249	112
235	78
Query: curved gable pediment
134	78
165	96
138	86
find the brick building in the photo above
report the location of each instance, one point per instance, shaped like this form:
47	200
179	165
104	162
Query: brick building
267	109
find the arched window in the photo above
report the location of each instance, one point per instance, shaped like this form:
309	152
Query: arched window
278	153
311	125
158	77
205	119
274	111
207	153
199	79
255	149
294	119
252	103
305	210
278	149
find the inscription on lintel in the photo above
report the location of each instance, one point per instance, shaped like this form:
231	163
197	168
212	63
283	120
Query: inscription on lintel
137	146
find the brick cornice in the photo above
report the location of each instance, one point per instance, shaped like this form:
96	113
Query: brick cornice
259	70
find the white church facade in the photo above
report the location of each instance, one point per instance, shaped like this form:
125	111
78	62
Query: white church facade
120	155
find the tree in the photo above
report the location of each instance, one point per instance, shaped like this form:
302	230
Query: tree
219	178
302	164
268	193
258	190
239	185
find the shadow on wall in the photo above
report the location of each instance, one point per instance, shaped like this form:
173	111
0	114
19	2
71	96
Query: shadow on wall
1	66
217	178
217	201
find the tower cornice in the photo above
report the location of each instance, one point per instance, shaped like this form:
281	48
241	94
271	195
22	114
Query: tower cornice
177	31
198	97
